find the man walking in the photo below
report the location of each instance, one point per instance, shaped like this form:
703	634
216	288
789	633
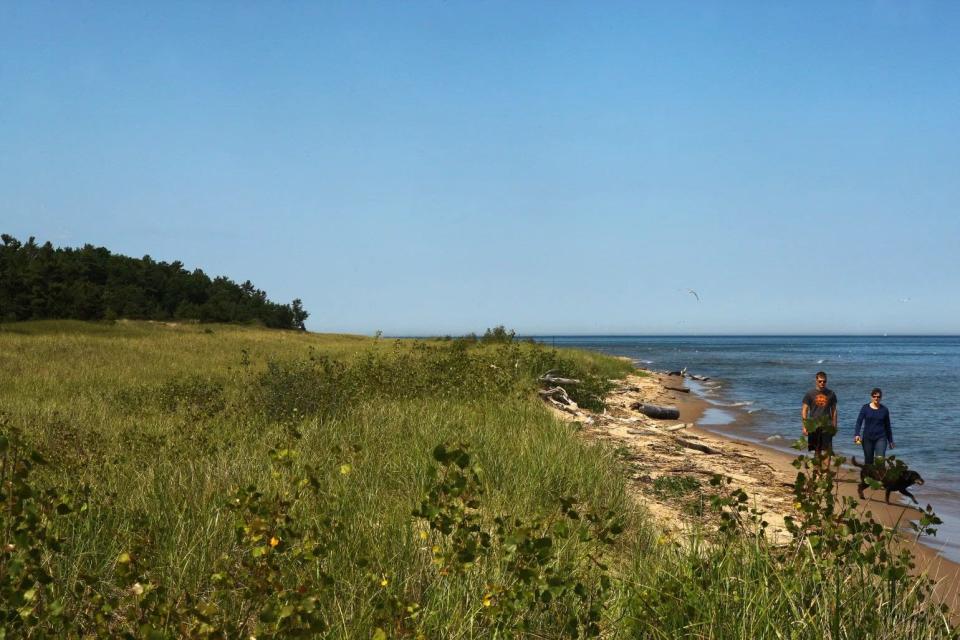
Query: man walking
819	416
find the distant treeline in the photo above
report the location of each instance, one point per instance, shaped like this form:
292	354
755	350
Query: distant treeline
90	283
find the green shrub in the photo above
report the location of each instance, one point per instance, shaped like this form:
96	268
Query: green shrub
192	394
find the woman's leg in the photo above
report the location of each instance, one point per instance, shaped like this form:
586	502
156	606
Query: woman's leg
880	447
868	446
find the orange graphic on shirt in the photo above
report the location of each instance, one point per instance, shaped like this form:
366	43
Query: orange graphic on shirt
820	400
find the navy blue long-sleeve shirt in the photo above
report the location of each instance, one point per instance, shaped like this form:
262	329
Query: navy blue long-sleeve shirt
876	423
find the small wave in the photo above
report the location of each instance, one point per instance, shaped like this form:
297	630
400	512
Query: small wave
754	409
821	360
732	405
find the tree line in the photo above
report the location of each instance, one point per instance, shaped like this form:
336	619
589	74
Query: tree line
91	283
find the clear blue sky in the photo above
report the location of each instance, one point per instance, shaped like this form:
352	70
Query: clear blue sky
557	167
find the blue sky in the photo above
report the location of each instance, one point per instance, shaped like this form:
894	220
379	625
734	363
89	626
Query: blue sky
556	167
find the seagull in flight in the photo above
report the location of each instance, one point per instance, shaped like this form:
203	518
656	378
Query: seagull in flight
694	294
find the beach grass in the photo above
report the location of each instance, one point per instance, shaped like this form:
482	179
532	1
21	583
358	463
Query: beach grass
225	481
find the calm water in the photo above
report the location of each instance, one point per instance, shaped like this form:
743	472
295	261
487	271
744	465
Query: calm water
757	384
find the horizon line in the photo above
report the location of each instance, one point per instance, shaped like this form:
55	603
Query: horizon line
520	336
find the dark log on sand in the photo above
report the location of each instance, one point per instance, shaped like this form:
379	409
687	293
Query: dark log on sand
680	389
656	411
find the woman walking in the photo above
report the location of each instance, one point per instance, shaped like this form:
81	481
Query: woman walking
875	420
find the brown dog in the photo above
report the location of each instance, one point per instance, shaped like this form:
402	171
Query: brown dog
896	482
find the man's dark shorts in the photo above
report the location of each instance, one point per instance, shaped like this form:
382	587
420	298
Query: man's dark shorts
820	441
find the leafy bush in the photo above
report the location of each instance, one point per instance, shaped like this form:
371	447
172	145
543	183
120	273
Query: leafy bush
28	540
193	394
531	584
302	388
497	335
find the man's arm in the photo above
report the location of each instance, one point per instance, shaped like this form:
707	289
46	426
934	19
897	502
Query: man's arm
833	412
803	416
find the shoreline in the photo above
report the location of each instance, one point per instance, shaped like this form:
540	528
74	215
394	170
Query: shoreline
657	448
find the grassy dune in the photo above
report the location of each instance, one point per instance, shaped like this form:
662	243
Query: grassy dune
220	481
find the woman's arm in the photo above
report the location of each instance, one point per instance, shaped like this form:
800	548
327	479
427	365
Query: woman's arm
863	414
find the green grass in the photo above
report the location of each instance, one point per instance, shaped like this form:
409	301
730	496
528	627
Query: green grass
152	429
675	486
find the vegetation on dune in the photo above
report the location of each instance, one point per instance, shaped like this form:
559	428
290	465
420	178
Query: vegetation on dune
91	283
168	482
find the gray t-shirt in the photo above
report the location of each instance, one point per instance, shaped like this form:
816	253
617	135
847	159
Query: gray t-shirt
820	402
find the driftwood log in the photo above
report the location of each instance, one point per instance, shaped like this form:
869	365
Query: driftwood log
551	377
689	444
558	394
656	411
680	389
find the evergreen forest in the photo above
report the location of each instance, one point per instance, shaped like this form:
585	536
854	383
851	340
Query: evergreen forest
39	282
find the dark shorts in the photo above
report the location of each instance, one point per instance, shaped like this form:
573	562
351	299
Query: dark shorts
819	441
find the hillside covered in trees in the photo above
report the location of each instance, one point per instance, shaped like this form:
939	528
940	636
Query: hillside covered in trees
91	283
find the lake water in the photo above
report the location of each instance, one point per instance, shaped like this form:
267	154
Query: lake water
757	383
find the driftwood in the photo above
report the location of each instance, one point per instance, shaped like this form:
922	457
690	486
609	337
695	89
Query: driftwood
557	394
656	411
680	389
681	372
706	472
550	377
695	445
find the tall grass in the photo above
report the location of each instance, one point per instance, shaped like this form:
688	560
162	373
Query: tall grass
219	481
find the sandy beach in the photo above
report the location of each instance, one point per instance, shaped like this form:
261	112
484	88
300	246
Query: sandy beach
655	449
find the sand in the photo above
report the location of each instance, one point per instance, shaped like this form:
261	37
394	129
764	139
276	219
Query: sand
656	448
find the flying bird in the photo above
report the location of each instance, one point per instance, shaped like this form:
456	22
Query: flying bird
694	294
